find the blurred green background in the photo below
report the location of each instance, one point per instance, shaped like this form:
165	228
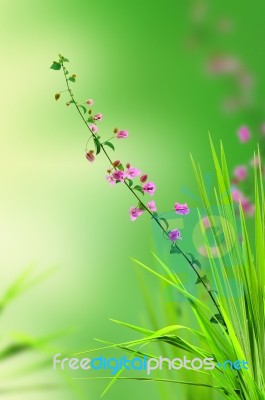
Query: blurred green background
142	64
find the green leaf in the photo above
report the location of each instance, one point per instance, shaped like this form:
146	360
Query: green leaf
62	58
141	206
196	262
218	318
72	78
120	167
130	182
203	279
90	119
192	257
174	249
83	108
97	145
110	145
56	66
165	221
138	188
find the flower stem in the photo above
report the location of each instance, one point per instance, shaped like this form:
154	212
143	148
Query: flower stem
140	201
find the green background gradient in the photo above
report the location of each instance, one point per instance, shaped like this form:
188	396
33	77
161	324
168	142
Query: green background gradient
56	209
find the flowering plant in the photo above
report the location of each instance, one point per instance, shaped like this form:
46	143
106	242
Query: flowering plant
237	330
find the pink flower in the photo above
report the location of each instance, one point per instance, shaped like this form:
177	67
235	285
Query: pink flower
244	134
111	180
149	188
182	209
174	235
90	156
90	102
132	172
240	172
93	128
206	222
118	175
236	195
135	213
247	207
143	178
151	205
122	134
98	117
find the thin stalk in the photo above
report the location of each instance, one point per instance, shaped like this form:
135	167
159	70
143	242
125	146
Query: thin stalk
140	201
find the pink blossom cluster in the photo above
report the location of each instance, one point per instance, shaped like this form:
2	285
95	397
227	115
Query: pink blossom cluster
238	197
119	134
117	173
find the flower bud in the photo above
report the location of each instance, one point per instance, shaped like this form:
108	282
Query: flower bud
128	165
90	156
143	178
57	96
116	163
116	130
68	104
90	112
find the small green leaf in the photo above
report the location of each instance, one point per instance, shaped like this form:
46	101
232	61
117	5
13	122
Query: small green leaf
138	188
83	108
120	167
174	249
165	221
196	262
62	58
72	78
56	66
203	279
141	206
90	119
130	182
192	257
110	145
155	214
97	145
218	318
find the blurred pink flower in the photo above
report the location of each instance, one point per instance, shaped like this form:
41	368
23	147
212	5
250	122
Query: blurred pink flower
149	188
151	205
98	117
244	134
240	172
182	209
247	207
135	213
206	222
132	172
93	128
223	65
90	102
122	134
174	235
90	156
237	196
